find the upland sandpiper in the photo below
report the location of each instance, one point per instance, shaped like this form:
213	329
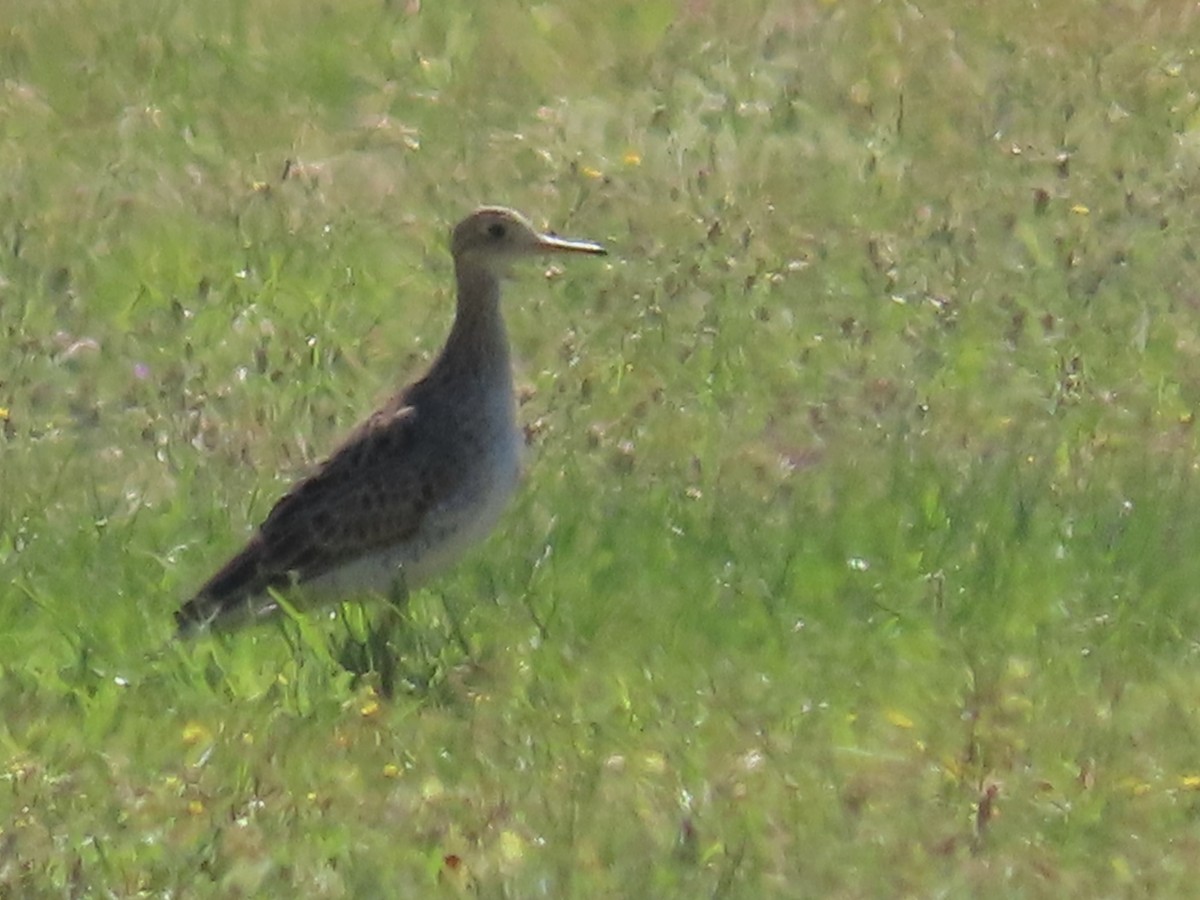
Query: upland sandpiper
425	476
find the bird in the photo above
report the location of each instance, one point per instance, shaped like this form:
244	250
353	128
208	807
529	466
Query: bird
420	479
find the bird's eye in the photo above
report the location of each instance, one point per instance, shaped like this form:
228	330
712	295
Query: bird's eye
496	230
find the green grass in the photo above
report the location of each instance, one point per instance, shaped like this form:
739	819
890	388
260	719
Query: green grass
856	555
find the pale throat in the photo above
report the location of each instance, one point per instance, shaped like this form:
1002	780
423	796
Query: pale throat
478	337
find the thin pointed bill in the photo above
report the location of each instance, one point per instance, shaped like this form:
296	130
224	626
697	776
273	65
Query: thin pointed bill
552	244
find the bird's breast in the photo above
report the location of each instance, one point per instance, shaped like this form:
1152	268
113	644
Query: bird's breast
480	462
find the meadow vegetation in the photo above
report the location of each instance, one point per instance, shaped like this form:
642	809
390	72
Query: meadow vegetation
857	550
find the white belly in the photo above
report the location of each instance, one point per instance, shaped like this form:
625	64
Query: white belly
447	531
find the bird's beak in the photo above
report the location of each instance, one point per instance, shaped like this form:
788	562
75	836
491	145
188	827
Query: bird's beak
548	243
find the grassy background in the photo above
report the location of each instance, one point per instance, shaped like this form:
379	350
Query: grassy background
857	551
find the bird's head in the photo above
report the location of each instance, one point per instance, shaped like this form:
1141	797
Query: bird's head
492	236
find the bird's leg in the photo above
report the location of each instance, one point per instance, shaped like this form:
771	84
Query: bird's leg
456	629
397	595
381	640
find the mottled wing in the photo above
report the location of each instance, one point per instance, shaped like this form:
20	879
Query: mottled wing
371	493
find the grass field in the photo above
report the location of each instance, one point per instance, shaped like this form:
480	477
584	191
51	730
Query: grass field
857	550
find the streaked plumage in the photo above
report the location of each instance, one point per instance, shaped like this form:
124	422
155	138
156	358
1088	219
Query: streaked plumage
421	479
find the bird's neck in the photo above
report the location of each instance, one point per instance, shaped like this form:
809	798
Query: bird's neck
478	342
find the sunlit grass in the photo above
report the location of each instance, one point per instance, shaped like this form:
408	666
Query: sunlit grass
855	555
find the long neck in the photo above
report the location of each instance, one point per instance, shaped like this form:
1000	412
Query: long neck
478	343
